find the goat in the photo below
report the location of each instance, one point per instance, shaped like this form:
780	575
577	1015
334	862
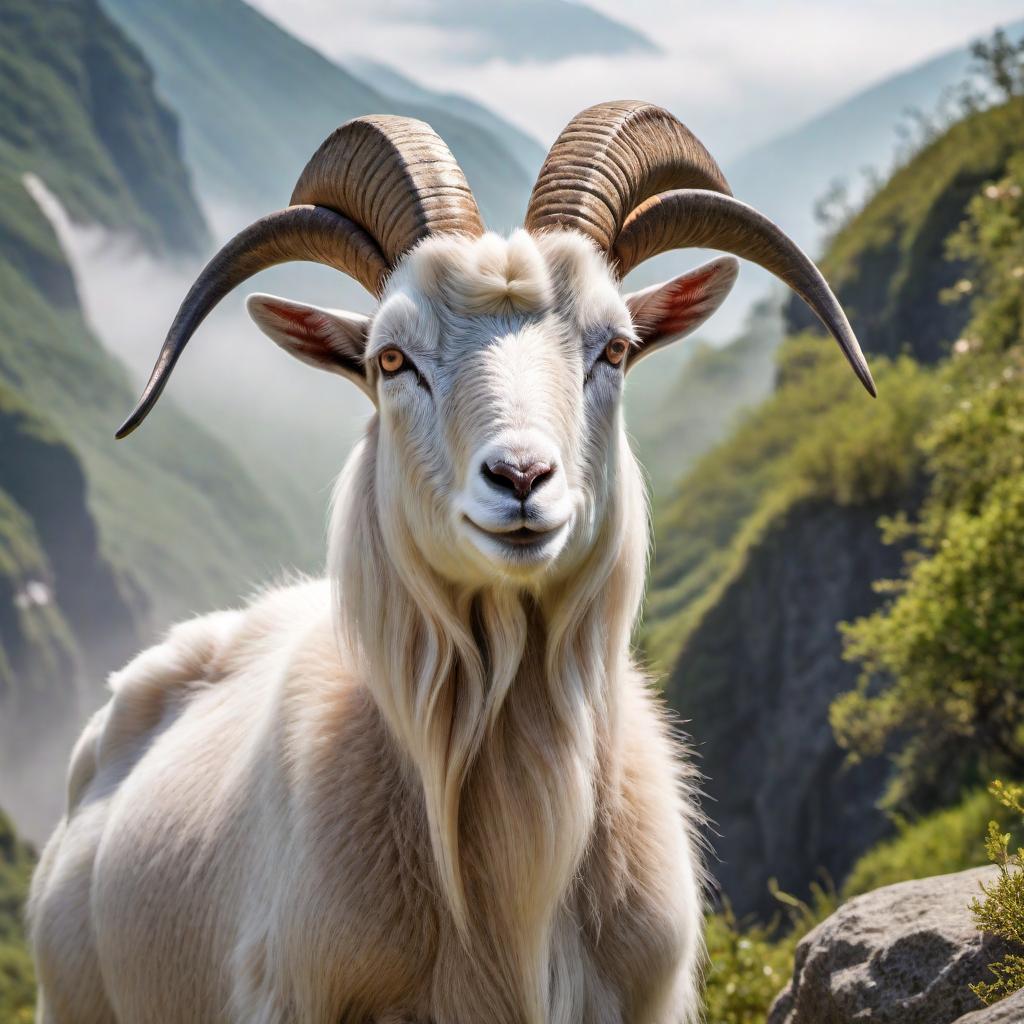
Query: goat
433	788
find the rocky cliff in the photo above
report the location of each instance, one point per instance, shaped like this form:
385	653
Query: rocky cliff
756	680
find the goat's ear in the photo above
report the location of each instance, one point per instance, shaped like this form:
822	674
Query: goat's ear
666	312
330	339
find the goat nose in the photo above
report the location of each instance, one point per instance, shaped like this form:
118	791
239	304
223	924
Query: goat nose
523	478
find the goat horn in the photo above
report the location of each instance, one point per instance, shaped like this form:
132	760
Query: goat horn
374	188
697	218
608	160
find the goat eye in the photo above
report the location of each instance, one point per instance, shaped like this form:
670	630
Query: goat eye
391	360
615	351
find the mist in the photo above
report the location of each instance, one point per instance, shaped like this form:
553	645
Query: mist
290	426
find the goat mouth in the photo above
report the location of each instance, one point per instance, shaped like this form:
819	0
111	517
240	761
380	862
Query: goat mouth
522	537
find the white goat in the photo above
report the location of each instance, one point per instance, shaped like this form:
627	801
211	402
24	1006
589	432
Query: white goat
444	795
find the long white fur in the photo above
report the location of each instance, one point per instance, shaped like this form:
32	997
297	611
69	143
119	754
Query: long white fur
433	788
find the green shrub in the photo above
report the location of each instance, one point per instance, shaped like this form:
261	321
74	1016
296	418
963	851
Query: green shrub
750	963
1001	911
936	844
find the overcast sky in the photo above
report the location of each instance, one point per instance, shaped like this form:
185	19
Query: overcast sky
738	71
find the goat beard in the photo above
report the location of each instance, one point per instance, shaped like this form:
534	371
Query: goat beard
503	703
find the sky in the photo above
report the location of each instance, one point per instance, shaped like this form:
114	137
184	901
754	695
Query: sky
739	72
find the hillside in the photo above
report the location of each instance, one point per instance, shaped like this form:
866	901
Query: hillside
100	543
685	400
888	264
784	176
772	539
78	96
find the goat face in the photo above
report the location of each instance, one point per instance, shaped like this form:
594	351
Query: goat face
497	367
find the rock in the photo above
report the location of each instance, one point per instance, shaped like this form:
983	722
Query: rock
903	954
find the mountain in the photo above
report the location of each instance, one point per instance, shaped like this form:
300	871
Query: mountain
526	149
255	103
100	543
891	260
773	538
784	177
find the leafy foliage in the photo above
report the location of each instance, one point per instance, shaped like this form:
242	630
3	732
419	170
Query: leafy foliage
1001	911
749	963
938	843
951	639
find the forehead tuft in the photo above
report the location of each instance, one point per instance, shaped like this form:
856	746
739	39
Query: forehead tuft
489	275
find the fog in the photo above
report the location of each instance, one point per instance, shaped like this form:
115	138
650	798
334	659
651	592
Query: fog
291	426
737	73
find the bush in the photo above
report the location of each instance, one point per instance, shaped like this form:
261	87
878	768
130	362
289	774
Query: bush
750	963
1001	911
937	844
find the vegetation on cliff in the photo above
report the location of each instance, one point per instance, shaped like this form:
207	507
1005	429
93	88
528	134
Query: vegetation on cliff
943	659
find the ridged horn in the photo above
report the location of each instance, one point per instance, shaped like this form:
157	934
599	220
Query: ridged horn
608	160
374	188
695	218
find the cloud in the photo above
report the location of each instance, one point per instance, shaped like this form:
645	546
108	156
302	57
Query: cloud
738	73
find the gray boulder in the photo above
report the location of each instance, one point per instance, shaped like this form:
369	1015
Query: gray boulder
903	954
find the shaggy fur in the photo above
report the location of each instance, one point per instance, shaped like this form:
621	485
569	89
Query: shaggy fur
432	789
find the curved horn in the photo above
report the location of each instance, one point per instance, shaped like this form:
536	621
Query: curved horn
700	219
374	188
608	160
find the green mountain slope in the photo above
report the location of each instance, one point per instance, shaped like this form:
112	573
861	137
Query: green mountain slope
170	507
255	103
100	543
78	97
677	412
888	264
772	539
